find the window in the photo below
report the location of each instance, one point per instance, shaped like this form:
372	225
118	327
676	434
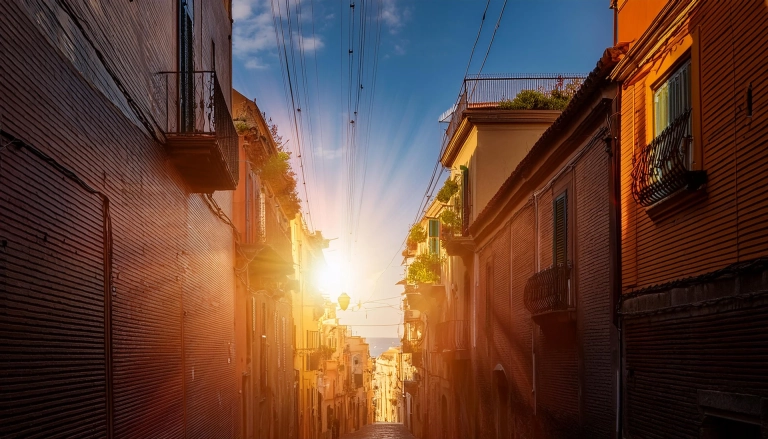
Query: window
672	101
466	199
262	216
186	65
664	166
672	98
434	236
253	315
248	208
560	230
489	302
213	56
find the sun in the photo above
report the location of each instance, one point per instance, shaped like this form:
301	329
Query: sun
331	279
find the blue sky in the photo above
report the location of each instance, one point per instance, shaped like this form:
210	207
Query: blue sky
365	189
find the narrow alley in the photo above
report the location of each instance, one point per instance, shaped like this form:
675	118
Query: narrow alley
414	219
381	430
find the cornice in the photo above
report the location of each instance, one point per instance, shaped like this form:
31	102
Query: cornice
661	29
481	116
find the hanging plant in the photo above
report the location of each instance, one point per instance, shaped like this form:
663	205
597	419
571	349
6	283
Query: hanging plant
416	235
449	189
450	220
425	269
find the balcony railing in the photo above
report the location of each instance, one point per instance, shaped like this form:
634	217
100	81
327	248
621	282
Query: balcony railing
486	91
411	345
201	137
453	335
549	290
661	168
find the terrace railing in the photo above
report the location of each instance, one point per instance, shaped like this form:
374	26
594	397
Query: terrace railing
488	90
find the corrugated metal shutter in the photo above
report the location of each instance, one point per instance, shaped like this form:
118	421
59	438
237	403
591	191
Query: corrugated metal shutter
560	238
53	373
670	357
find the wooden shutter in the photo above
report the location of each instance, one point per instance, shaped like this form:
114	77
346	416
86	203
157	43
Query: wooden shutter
434	233
248	208
560	238
465	200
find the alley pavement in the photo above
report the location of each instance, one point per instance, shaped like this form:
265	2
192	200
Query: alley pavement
380	431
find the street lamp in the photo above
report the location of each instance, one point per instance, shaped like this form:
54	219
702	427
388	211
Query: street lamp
344	301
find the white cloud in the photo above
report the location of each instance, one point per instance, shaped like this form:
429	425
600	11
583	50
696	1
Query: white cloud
394	15
241	10
253	34
328	153
310	44
255	64
399	50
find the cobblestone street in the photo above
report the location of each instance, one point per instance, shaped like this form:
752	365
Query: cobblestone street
381	430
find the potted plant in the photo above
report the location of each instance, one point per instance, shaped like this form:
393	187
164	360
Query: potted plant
416	235
449	189
425	269
451	223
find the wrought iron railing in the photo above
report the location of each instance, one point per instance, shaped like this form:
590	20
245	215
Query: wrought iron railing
193	103
453	335
487	90
549	290
410	346
661	168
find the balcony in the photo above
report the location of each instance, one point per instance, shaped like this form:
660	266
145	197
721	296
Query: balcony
411	386
454	232
263	263
411	315
416	301
548	294
411	346
487	91
453	338
201	139
661	168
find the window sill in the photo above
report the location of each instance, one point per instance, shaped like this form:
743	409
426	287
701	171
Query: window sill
676	202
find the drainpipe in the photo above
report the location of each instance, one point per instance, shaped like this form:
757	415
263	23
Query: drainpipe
613	149
615	7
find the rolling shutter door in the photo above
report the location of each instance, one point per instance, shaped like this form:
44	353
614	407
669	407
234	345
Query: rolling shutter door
53	374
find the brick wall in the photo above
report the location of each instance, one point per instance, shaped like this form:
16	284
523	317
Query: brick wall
570	392
172	305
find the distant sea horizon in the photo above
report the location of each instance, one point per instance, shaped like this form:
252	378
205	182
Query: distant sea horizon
377	345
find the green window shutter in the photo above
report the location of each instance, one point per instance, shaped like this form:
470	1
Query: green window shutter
434	233
560	237
434	228
466	200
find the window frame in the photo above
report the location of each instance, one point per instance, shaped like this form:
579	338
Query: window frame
433	240
684	61
565	186
563	195
686	47
489	292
